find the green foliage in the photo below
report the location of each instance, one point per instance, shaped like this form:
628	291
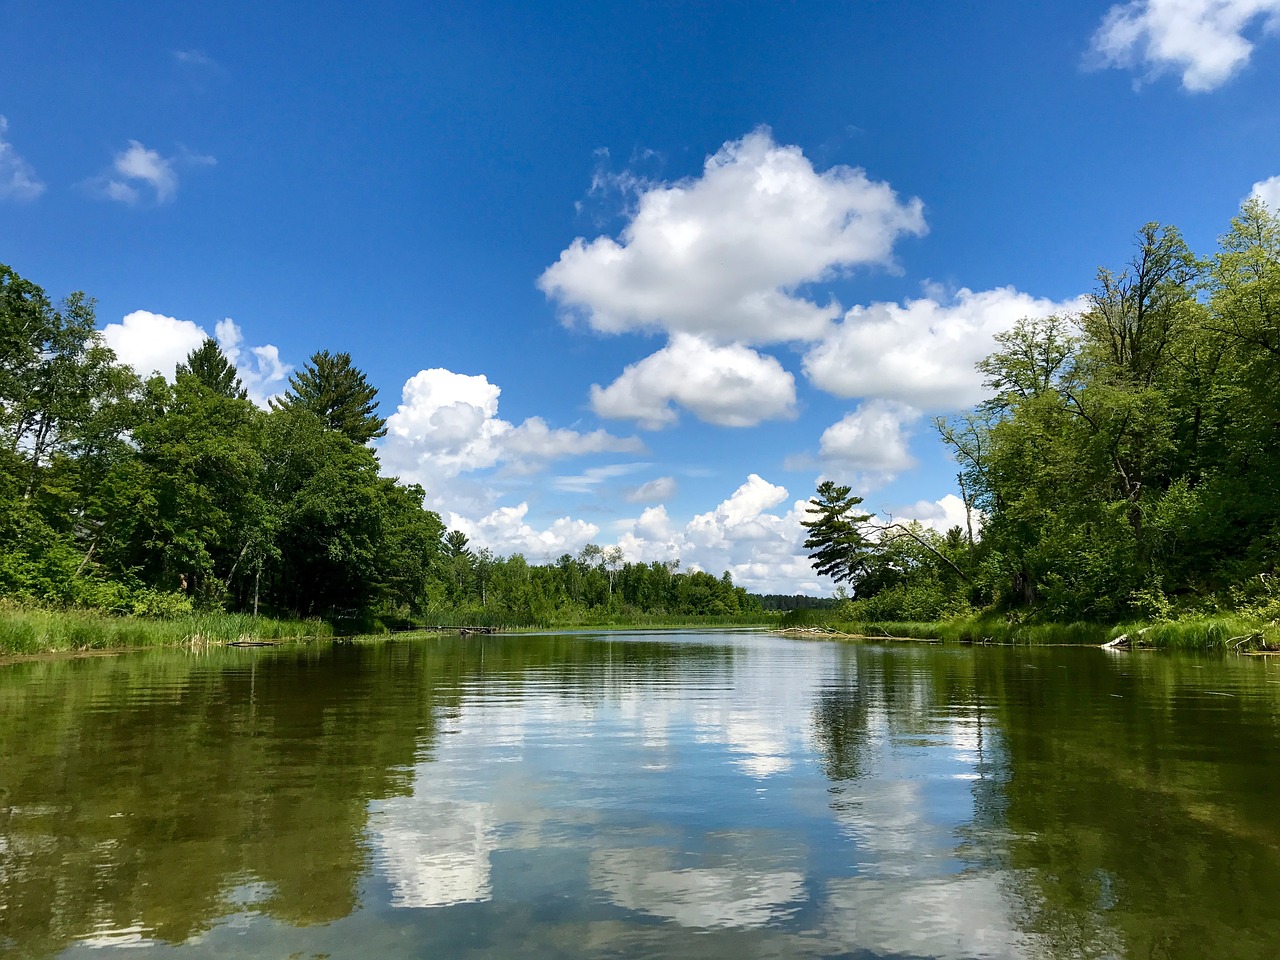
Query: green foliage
1127	462
838	547
29	630
338	393
210	366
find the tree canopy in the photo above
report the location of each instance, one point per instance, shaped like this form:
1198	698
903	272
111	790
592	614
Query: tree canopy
337	392
839	549
159	498
210	366
1126	462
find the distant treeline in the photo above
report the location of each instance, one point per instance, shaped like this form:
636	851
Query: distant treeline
144	496
779	601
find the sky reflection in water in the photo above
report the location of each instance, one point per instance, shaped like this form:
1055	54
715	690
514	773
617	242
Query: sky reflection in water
688	795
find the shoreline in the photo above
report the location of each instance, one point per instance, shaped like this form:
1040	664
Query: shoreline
36	635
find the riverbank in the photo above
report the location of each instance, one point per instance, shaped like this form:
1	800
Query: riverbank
27	632
1209	633
34	632
24	631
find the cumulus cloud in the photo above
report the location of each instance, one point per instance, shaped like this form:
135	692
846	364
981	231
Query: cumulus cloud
1268	191
506	530
154	343
940	515
138	169
18	180
755	534
723	255
659	488
760	546
1206	40
922	353
151	342
872	438
447	423
731	386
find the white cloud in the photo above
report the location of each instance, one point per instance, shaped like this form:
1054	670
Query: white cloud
18	180
447	423
940	515
1268	191
659	488
533	442
762	549
723	255
147	166
434	851
153	343
731	386
593	477
1204	39
139	166
871	438
261	370
924	353
506	531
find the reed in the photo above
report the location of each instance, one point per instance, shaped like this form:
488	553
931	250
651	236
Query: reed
46	631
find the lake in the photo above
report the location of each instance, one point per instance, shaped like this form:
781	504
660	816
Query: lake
681	794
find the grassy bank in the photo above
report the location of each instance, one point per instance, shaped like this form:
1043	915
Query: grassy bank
52	631
1205	633
31	631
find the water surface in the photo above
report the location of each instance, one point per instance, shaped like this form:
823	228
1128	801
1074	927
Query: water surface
704	795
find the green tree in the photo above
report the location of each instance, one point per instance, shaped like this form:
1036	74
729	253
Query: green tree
338	393
209	365
330	513
837	545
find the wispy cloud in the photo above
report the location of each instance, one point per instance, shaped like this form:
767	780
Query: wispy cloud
138	171
18	180
593	477
195	58
653	491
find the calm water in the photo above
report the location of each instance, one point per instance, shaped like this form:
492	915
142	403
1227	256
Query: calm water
666	795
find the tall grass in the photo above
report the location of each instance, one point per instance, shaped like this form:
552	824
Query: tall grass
1205	633
40	631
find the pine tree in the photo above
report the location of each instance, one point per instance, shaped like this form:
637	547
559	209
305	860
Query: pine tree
338	393
839	548
208	364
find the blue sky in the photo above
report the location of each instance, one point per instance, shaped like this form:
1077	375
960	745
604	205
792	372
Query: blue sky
630	273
